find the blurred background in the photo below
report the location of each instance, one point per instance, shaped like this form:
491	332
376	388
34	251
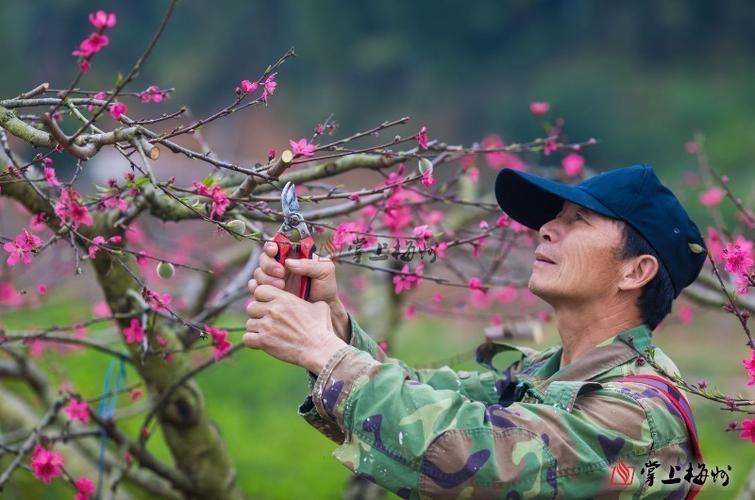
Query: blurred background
642	77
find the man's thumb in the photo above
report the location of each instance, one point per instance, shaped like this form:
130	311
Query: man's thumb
308	267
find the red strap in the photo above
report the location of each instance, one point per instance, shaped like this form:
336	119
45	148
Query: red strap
668	390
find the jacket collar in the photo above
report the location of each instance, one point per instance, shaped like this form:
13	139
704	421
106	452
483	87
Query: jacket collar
605	356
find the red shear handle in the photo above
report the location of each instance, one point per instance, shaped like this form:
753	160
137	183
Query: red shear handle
306	248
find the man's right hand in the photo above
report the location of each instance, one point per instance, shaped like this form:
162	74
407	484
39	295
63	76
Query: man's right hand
323	287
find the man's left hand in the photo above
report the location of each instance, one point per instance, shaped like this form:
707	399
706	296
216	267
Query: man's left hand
291	329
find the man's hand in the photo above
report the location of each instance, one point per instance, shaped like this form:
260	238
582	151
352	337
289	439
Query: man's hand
291	329
322	273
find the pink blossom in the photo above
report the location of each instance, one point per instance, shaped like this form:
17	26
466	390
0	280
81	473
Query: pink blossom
505	294
84	488
100	96
467	161
220	343
156	301
70	210
78	411
500	159
738	260
36	348
423	232
477	247
428	179
101	19
741	283
749	365
539	107
79	331
691	147
410	311
422	137
435	217
359	282
712	197
91	45
572	164
404	281
37	223
302	147
220	200
154	94
50	177
474	284
496	319
114	201
85	65
9	296
437	297
479	299
441	249
691	179
41	289
715	247
136	394
383	345
46	465
101	309
686	314
95	246
134	333
749	430
473	174
118	109
21	248
484	225
269	87
248	87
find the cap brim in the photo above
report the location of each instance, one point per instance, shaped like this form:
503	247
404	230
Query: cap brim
533	201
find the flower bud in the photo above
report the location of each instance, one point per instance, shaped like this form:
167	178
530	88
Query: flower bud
237	226
165	270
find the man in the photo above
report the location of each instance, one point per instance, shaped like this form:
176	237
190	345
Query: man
572	421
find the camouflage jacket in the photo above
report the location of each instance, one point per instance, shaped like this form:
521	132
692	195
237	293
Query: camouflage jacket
532	430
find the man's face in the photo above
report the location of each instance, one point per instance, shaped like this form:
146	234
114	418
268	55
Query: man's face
581	246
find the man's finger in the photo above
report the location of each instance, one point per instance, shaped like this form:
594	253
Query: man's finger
256	310
252	340
266	293
264	278
271	267
252	284
313	268
271	248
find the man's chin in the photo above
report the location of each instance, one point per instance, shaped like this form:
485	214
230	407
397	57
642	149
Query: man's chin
538	290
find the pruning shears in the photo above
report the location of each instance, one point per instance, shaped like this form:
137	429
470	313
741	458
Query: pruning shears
293	235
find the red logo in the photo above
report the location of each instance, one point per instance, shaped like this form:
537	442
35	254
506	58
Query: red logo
622	474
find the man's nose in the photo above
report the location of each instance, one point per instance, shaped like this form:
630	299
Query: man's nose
548	231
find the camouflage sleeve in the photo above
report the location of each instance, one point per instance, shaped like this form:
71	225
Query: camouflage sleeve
422	442
485	386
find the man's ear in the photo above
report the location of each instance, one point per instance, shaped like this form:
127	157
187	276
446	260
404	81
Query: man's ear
638	271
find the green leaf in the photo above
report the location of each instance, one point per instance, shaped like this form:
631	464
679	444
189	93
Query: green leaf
141	181
208	181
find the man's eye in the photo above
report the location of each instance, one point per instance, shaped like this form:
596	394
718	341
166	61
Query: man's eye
580	216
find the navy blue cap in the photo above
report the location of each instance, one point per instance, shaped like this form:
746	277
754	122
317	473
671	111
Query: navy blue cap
633	194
